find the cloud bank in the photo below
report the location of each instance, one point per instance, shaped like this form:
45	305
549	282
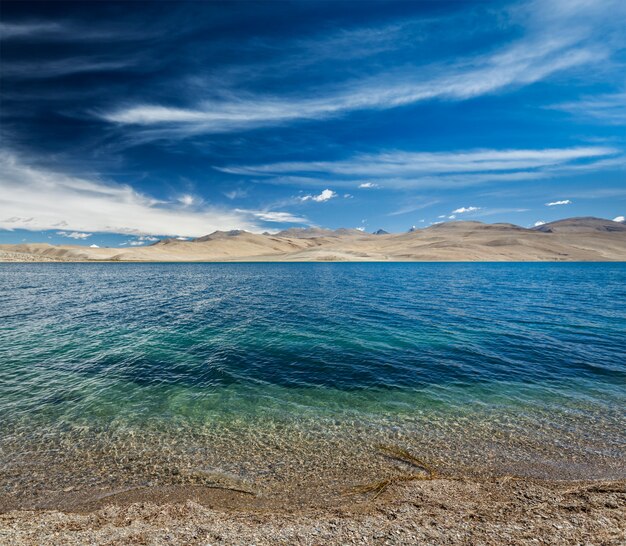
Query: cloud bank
38	199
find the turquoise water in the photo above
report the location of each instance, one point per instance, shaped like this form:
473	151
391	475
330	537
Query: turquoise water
269	375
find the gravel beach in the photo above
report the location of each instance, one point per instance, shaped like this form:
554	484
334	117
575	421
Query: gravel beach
441	511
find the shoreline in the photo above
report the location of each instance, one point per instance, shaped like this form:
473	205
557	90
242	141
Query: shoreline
269	259
461	510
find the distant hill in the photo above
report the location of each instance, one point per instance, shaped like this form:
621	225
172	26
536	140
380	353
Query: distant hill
381	232
581	225
470	225
572	239
219	235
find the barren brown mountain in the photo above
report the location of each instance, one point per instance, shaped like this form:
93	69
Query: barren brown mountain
572	239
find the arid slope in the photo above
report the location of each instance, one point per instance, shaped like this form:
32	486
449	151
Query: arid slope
573	239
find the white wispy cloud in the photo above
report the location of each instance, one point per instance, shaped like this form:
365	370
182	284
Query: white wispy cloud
237	193
326	195
398	169
187	200
397	163
62	64
36	198
462	210
550	46
539	223
609	108
497	211
20	30
368	185
275	216
519	65
619	219
557	203
413	206
74	234
64	67
342	44
66	31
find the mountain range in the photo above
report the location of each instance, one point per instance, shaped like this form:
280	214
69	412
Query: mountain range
571	239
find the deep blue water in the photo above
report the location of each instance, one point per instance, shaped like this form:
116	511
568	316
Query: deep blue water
525	359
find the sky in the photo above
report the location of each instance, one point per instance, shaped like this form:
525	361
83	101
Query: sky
121	123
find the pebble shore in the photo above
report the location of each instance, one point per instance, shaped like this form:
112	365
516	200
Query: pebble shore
508	511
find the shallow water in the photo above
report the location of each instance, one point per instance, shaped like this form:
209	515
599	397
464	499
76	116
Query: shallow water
285	377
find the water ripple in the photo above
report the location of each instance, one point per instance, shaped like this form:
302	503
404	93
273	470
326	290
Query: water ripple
525	359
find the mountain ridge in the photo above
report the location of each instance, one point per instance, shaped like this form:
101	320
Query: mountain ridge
569	239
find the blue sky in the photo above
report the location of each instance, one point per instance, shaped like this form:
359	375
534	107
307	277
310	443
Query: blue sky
122	122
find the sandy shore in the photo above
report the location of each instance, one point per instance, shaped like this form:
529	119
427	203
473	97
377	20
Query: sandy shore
8	256
440	511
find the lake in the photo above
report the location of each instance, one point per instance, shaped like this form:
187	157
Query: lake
285	378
